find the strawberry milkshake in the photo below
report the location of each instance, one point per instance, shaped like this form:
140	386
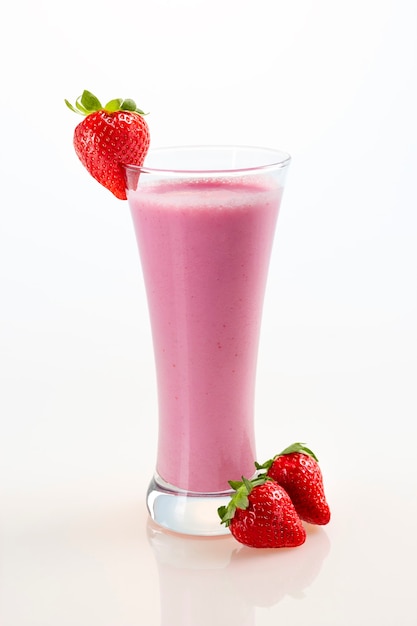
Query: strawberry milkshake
205	240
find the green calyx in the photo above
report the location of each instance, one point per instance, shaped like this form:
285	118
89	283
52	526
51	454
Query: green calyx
295	447
88	103
239	499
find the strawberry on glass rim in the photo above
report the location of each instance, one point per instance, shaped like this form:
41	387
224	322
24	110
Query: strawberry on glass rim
110	137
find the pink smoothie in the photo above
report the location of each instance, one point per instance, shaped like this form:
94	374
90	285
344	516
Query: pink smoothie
205	249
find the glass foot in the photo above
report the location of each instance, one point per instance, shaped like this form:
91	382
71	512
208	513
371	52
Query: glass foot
186	512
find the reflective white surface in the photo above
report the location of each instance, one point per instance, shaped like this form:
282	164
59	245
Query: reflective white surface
69	560
332	84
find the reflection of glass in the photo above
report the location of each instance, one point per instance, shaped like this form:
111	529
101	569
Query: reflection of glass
194	587
204	220
206	581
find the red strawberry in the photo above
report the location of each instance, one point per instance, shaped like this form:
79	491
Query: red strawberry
296	469
108	138
260	514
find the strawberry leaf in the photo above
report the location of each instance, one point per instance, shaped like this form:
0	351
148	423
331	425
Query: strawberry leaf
298	447
264	466
226	513
239	499
128	105
69	105
248	484
294	447
81	108
90	102
113	105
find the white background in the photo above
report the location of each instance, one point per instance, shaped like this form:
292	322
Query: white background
333	83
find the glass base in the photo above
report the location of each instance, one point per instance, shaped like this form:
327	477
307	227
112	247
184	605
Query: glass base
186	512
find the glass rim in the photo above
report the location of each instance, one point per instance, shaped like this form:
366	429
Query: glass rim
281	160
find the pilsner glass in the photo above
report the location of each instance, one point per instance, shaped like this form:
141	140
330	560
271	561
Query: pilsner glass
204	219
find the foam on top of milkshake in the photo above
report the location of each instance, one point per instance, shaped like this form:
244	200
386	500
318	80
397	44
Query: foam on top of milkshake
201	193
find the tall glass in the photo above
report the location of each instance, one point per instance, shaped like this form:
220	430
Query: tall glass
204	219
